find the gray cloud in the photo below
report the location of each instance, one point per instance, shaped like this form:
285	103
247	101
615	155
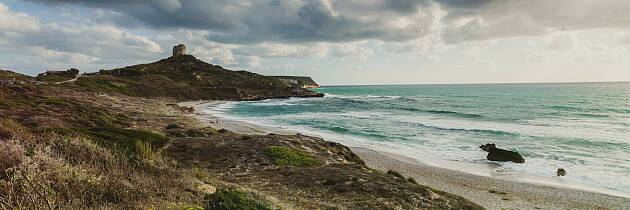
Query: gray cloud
255	21
67	44
252	21
497	19
254	25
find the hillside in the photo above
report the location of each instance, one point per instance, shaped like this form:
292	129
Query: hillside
187	78
7	75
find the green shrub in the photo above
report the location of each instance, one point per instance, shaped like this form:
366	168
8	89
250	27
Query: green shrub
395	173
195	133
127	141
144	151
288	156
232	199
200	174
412	180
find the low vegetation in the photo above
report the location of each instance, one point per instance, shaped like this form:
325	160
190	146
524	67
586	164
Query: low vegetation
283	156
132	143
395	173
412	180
73	171
233	199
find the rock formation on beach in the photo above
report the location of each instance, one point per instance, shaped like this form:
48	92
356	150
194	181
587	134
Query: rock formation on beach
496	154
561	172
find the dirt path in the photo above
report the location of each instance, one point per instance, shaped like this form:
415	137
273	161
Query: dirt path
70	80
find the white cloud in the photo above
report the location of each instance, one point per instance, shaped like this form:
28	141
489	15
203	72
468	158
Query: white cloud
561	41
71	44
353	50
284	50
16	22
500	19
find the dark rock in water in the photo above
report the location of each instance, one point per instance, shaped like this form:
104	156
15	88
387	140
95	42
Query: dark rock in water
223	130
561	172
496	154
172	126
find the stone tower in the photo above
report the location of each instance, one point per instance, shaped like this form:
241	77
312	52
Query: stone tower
179	50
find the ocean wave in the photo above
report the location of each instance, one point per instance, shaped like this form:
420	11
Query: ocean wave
442	112
465	115
361	96
589	143
373	135
588	110
473	130
593	115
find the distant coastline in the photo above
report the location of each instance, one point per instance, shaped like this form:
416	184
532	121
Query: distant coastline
480	83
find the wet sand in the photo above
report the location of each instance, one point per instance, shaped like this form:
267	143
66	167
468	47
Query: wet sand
490	192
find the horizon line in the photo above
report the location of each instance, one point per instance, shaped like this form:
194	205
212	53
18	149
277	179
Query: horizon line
477	83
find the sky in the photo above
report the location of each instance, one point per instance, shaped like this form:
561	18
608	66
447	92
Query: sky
334	41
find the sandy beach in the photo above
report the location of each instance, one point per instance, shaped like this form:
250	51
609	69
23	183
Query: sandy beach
490	192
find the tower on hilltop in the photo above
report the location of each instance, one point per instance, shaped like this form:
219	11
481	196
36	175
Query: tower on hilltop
179	50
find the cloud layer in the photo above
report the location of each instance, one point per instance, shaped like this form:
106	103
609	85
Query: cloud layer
253	21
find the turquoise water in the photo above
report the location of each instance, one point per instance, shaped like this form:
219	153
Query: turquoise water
582	127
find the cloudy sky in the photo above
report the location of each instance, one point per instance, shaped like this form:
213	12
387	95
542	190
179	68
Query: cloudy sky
334	41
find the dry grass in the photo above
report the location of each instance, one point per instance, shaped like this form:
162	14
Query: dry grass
52	171
14	131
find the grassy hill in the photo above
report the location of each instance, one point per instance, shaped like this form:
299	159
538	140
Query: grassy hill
187	78
5	74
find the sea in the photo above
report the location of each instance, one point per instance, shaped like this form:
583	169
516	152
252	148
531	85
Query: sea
583	128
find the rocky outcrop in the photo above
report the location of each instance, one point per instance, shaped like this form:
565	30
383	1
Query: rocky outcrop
496	154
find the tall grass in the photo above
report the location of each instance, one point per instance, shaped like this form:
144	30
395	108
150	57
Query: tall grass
50	170
144	151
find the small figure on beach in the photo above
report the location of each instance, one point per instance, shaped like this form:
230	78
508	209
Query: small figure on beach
561	172
496	154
